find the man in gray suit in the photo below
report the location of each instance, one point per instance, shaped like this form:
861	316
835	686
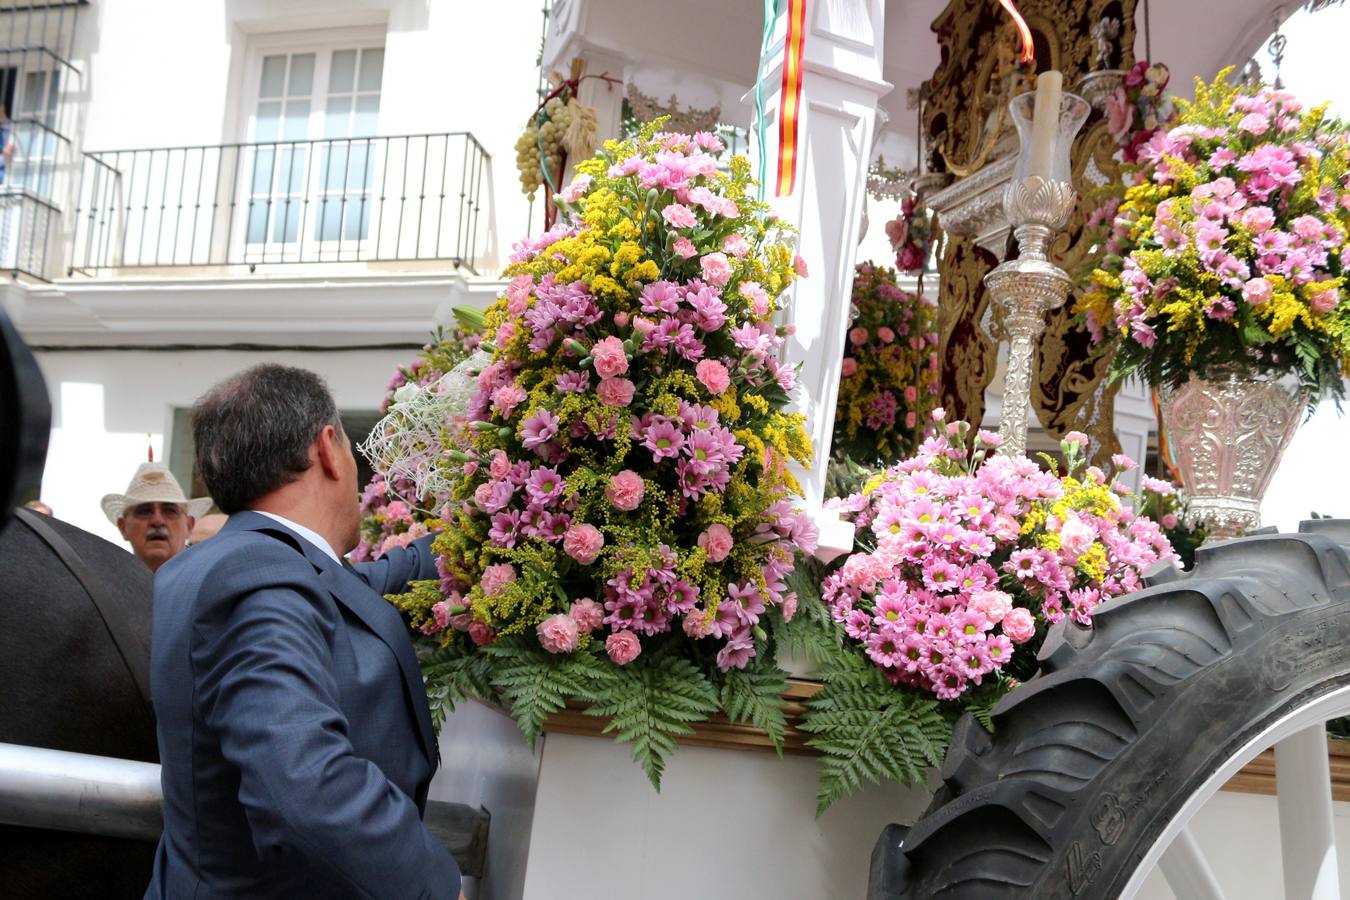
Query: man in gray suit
294	733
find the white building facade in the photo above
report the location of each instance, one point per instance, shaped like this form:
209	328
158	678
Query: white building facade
200	186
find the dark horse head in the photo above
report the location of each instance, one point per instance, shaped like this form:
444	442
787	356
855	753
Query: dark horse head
65	683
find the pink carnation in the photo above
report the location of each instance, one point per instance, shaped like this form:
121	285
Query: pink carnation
887	336
623	647
758	297
850	367
716	269
583	543
507	397
625	490
685	249
440	618
1075	537
716	541
1254	123
1257	291
518	294
1077	437
615	391
1324	301
572	193
500	464
397	541
857	336
993	605
609	357
713	375
588	614
679	216
1019	625
800	265
697	624
481	634
736	245
558	634
1259	219
496	577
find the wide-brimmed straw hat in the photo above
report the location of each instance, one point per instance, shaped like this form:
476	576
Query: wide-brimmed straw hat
152	483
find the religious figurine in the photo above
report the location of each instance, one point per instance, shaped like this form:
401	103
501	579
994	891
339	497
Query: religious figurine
1105	34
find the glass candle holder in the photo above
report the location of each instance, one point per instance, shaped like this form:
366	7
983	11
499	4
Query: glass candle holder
1073	112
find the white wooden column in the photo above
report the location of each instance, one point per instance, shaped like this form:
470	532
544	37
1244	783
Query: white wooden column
568	38
842	62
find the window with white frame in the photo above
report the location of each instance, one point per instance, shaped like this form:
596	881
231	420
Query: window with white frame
308	165
33	129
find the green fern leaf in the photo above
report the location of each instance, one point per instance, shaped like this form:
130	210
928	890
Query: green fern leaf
868	730
536	684
454	673
755	695
650	702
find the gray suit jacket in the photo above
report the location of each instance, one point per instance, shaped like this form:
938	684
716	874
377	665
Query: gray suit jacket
294	733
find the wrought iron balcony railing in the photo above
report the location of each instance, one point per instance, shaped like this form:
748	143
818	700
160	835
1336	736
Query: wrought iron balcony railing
405	198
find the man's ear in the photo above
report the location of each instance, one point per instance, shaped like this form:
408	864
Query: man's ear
192	523
328	446
122	527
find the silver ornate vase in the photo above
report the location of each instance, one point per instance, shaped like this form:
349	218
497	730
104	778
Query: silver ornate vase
1227	436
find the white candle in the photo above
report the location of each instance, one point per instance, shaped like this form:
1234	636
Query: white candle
1045	123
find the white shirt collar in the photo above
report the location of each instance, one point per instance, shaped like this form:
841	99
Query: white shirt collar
311	536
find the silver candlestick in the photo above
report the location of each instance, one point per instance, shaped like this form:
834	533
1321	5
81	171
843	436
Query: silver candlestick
1030	286
1027	288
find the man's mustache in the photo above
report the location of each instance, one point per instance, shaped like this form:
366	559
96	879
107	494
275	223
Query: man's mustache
157	531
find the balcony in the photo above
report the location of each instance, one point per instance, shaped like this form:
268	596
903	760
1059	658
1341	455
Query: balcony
405	202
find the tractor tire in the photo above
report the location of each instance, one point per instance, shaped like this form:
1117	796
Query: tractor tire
1091	759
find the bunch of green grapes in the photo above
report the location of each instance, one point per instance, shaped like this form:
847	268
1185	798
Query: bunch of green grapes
542	140
527	160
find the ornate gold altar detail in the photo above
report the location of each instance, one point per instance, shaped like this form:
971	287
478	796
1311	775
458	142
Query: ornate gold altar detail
974	144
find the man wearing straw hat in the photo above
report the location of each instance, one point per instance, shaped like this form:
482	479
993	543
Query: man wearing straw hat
154	515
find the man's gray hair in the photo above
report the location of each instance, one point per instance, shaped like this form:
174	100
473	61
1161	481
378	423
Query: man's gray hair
253	431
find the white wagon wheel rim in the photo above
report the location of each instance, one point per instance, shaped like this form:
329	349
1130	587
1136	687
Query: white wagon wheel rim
1303	786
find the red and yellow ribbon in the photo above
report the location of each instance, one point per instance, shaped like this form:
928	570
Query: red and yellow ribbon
789	104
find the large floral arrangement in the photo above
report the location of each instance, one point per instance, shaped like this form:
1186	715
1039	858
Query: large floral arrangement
963	560
889	380
623	522
392	515
1231	251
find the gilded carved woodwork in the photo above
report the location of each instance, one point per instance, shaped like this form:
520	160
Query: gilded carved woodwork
979	47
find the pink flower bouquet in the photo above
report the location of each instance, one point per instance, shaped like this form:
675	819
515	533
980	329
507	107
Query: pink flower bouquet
962	562
1231	252
966	557
623	517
